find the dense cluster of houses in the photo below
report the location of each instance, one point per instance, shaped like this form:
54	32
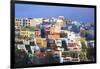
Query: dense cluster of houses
59	36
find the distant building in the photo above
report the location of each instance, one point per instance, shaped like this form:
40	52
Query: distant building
36	21
61	17
22	22
59	22
28	22
46	20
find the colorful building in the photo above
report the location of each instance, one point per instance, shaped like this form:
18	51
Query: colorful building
24	33
27	33
36	21
59	22
41	42
54	36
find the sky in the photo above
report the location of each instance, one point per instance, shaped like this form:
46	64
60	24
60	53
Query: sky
38	11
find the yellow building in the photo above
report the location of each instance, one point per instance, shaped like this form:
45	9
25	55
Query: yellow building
59	23
54	36
24	33
41	42
53	29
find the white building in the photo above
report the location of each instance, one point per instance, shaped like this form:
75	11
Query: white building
34	48
22	21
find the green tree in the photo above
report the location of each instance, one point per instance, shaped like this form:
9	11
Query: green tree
83	56
66	54
75	54
90	53
83	43
49	59
21	58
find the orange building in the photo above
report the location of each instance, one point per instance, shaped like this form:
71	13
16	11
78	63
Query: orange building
54	36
